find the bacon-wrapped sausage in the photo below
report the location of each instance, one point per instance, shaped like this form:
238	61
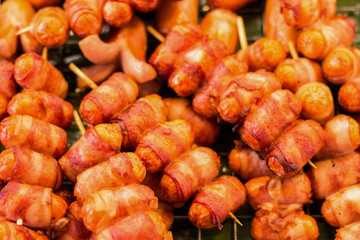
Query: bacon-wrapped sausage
76	229
247	163
207	98
283	222
293	73
265	53
111	97
341	65
34	72
317	41
233	5
348	232
214	201
171	13
272	189
37	206
226	21
341	136
333	174
179	39
26	166
183	177
114	203
349	96
43	3
317	102
206	131
42	105
10	230
275	25
98	144
84	17
139	225
163	143
262	127
140	116
342	207
117	13
7	87
295	147
26	131
245	90
120	170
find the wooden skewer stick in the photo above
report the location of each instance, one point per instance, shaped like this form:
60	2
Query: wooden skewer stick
24	30
242	33
19	221
312	164
235	218
44	53
82	75
155	33
292	50
79	122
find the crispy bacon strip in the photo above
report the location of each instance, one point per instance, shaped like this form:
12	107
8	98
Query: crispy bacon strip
214	201
342	65
206	131
26	131
34	72
140	116
7	87
243	91
317	41
333	174
84	17
317	102
26	166
294	73
37	206
207	98
342	207
111	97
272	189
172	13
42	105
163	143
116	203
295	147
76	229
139	225
348	232
98	144
184	176
120	170
341	136
10	230
283	222
262	126
349	96
247	164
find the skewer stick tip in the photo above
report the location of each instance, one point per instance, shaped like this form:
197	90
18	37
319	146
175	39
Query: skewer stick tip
82	75
242	33
292	50
79	122
155	33
235	218
19	221
312	164
44	53
23	30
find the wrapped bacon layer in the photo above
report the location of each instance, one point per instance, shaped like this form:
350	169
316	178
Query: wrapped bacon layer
214	201
349	96
7	87
184	176
26	166
37	206
233	5
116	203
10	230
349	232
42	105
26	131
120	170
98	144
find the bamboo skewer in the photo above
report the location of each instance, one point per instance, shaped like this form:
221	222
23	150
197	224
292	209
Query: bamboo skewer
312	164
82	75
23	30
79	122
292	50
44	53
242	33
155	33
235	218
20	221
